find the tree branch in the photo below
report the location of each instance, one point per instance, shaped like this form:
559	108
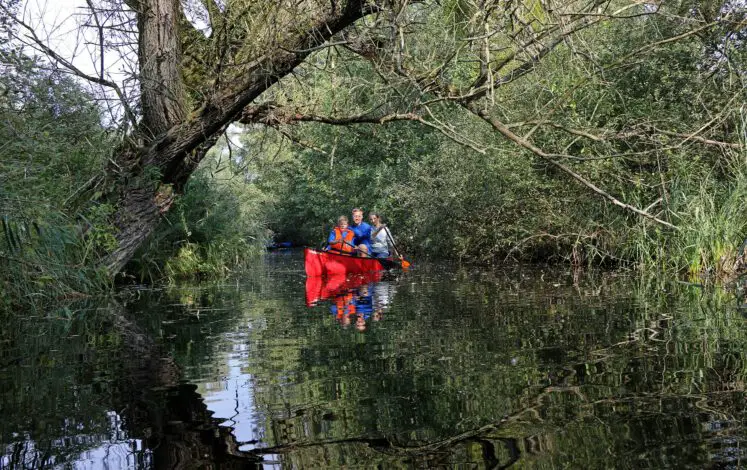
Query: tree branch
269	115
100	32
503	129
168	150
34	41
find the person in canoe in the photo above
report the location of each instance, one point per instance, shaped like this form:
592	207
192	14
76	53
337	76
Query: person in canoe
362	233
382	242
341	238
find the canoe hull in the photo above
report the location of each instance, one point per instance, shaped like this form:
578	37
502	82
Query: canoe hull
324	263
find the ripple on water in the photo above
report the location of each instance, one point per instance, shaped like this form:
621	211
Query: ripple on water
438	367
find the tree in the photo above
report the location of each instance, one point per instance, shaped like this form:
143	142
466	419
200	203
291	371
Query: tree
191	86
203	65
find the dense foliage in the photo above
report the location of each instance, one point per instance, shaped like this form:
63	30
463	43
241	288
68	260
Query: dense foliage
53	144
616	138
217	225
663	132
54	222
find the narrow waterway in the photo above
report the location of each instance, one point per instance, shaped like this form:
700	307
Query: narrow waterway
436	367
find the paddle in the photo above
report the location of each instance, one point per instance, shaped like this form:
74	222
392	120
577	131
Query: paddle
355	248
405	263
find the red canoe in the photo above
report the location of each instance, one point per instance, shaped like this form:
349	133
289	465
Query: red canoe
325	263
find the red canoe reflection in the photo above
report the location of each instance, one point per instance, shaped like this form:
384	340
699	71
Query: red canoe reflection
323	288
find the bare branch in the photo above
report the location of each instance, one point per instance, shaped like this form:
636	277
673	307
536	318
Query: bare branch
301	143
622	62
699	139
32	39
315	48
558	126
100	31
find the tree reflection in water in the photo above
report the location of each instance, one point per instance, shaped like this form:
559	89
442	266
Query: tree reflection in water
99	389
465	369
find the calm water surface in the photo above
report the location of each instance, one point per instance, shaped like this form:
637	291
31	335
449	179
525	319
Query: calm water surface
435	368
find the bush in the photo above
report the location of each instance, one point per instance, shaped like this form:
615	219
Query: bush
216	226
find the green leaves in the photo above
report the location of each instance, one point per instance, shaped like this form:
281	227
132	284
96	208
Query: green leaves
54	144
216	226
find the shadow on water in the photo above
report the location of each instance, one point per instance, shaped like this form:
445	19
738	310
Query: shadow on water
93	387
438	367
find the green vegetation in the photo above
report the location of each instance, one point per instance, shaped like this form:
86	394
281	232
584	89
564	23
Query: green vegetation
216	226
53	143
659	128
54	223
482	134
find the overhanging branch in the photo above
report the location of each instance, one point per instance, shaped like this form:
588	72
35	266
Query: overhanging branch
273	116
506	132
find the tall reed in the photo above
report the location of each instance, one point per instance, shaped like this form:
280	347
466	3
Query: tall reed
45	261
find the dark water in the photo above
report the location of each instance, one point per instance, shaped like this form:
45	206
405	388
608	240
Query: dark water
435	368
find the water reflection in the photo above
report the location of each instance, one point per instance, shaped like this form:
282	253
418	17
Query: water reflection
357	299
110	450
92	389
535	369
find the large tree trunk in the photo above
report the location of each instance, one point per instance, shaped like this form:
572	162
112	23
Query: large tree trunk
170	141
162	96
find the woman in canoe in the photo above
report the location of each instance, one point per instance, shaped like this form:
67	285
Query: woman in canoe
382	243
340	238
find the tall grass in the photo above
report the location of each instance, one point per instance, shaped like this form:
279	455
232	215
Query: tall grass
711	236
711	217
53	143
45	261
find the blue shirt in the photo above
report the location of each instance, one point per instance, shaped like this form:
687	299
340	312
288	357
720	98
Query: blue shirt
362	233
363	305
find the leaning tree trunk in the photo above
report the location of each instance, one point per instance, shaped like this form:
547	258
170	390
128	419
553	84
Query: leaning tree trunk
171	142
142	200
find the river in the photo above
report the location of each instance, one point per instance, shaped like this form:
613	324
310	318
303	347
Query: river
441	366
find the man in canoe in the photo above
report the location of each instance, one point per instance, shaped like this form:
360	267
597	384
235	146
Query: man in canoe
362	233
341	238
